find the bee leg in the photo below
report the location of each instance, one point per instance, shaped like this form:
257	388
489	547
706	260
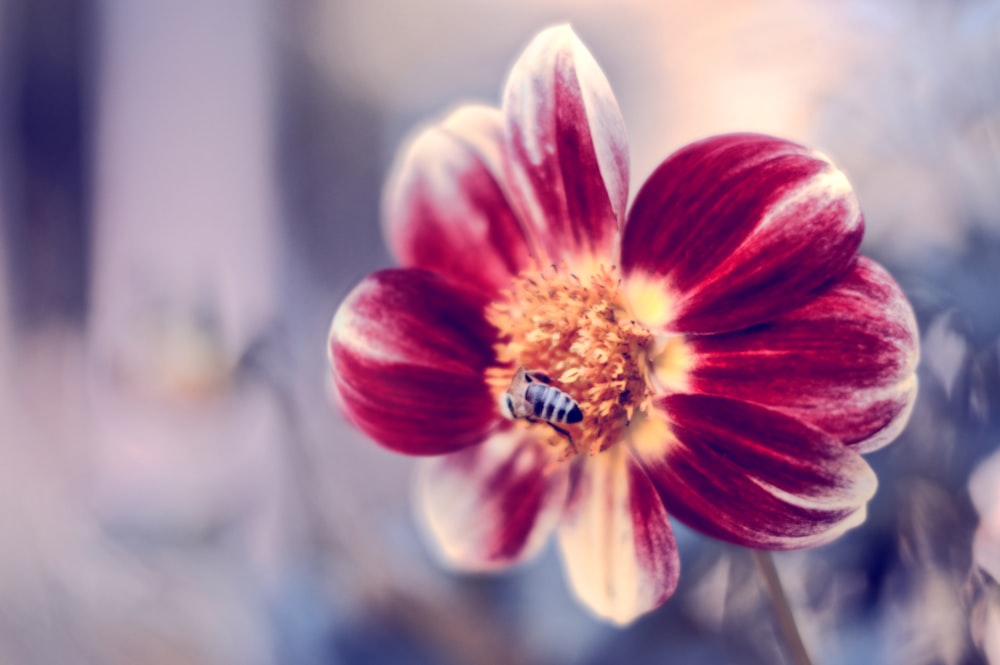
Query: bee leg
538	376
569	437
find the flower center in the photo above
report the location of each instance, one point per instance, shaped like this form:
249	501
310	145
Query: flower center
577	332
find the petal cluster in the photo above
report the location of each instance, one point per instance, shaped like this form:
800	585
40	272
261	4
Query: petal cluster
780	355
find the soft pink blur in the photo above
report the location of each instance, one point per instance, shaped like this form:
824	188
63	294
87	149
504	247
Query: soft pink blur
984	487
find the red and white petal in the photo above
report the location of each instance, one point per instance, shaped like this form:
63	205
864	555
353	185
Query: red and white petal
446	206
752	476
567	151
735	230
408	352
845	362
492	505
617	545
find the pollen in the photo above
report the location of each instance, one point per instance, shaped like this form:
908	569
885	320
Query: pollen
576	330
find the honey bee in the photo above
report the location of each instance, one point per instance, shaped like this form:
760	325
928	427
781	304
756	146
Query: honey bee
532	397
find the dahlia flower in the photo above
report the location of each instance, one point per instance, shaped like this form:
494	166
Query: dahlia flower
730	353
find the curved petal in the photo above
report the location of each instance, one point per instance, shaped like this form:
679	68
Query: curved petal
616	542
446	207
735	230
492	505
567	152
844	362
754	477
408	352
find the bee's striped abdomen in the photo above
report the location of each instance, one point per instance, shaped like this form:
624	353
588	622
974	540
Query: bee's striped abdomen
535	394
552	404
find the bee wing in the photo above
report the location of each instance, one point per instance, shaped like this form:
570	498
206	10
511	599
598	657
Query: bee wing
538	376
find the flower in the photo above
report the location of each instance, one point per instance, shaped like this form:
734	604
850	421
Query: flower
731	354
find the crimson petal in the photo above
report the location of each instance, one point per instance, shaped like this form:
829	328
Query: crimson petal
408	352
446	206
754	477
844	362
616	542
567	154
494	504
738	229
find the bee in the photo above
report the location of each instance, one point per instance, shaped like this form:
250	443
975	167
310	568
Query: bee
532	397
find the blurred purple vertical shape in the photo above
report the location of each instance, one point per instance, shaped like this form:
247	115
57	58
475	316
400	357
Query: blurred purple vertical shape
186	260
185	194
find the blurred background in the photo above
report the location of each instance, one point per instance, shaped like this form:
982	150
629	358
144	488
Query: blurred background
187	191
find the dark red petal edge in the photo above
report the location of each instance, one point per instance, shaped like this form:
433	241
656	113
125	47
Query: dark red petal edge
567	151
739	229
446	207
755	477
494	504
844	362
408	352
616	541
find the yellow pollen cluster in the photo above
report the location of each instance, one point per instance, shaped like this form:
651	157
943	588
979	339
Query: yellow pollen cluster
575	330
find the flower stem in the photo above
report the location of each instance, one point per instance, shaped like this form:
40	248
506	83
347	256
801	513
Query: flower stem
782	610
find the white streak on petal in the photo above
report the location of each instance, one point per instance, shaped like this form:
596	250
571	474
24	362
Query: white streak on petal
567	152
617	546
830	187
493	505
345	329
610	137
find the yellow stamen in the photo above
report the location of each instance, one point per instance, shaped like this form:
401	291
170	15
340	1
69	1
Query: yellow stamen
649	300
672	362
575	328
